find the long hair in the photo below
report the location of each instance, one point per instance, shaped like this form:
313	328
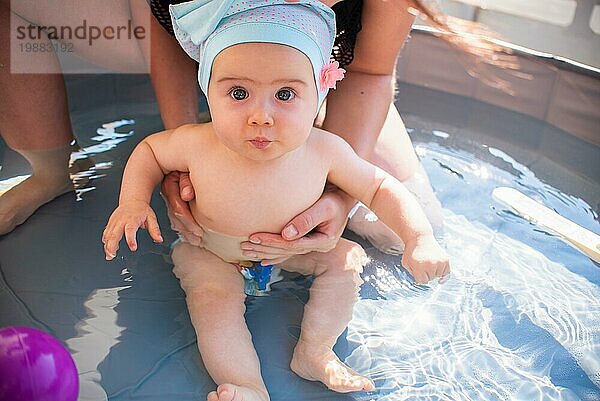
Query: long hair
478	43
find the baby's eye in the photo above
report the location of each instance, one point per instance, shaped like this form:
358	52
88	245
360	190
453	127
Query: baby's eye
285	95
238	93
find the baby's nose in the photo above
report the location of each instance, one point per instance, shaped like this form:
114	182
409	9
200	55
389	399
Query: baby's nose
261	117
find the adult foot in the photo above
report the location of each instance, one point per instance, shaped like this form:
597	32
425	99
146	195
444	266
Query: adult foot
53	175
19	202
319	363
231	392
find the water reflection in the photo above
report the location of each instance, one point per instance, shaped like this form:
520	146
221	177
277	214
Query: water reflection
497	330
108	138
82	168
519	318
100	328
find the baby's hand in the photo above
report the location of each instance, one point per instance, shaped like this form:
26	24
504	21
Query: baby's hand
425	259
126	219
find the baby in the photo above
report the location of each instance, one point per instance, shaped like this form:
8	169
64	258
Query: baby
264	65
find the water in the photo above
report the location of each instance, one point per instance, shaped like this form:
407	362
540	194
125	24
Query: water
518	318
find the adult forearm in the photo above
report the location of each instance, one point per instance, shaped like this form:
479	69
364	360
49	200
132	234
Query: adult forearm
141	175
357	109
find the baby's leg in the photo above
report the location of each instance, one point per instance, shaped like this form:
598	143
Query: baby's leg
327	313
215	298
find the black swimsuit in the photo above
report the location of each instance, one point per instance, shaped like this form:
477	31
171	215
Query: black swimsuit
347	19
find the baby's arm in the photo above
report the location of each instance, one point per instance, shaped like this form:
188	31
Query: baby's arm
152	158
393	204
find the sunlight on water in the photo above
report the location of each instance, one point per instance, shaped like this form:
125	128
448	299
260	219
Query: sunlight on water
8	183
100	328
514	321
443	343
83	169
511	323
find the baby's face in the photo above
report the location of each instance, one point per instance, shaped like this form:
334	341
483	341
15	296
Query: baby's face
263	99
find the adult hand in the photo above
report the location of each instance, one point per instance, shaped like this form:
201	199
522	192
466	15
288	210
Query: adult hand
177	190
316	229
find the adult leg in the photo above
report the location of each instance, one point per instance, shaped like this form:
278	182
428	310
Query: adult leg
382	139
173	75
35	123
361	109
394	153
388	153
215	297
327	313
120	50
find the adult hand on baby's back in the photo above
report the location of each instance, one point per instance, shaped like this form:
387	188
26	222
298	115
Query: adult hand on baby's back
177	190
317	229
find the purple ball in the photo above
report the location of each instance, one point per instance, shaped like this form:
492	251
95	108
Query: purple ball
34	366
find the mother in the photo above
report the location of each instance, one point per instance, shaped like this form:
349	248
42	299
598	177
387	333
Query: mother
371	34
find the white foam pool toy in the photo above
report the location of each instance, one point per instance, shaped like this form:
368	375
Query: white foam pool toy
581	238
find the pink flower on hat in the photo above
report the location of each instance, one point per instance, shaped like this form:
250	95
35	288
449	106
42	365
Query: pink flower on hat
330	74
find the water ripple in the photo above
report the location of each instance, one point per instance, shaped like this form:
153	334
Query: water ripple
83	169
490	332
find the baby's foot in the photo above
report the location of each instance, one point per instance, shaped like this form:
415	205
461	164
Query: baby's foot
320	363
231	392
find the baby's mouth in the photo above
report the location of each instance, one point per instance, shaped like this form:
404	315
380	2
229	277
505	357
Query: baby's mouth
260	143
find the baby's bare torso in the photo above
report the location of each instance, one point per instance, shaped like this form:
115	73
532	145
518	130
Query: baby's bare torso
239	197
